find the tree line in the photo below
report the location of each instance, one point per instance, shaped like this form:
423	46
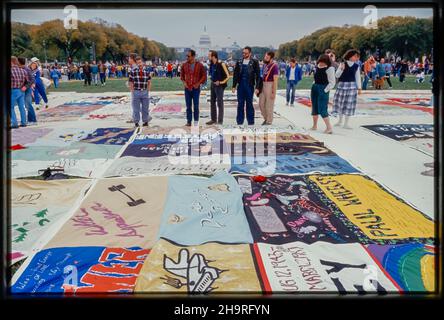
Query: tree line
405	37
51	40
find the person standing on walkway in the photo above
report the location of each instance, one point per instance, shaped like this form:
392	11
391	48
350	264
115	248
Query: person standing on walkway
19	81
349	86
39	89
140	84
132	64
293	75
219	78
32	119
247	81
267	97
193	75
324	81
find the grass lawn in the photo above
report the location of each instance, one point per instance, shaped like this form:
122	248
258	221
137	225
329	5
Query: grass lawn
166	84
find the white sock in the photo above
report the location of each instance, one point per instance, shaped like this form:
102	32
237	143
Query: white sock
347	118
340	120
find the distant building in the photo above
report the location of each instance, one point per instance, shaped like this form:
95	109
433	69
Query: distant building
204	45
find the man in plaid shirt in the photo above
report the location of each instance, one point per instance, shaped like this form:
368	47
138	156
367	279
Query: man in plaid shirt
140	85
19	80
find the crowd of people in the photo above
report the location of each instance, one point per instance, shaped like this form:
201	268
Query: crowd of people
251	76
96	73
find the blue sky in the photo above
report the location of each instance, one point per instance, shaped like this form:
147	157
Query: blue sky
254	27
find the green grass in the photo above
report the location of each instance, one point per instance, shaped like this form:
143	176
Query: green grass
166	84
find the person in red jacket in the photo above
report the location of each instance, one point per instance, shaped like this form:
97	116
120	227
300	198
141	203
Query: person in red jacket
193	75
170	70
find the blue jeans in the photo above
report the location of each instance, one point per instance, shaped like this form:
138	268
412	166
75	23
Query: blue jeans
95	78
56	82
102	78
18	98
192	98
291	90
140	102
319	100
39	90
245	97
365	82
28	104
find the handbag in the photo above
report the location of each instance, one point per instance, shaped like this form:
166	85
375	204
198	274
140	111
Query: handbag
46	82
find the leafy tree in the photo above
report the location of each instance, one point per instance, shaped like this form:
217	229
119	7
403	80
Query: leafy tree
408	37
110	41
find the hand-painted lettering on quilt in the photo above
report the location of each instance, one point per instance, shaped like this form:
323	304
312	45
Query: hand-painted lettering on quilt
114	136
212	211
289	164
174	146
287	208
401	132
82	270
320	267
381	216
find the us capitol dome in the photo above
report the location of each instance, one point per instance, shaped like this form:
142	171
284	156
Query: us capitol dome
204	44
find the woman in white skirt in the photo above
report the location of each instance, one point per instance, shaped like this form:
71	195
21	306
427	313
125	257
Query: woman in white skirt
349	86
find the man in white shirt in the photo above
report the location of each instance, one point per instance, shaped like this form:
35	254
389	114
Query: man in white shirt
294	75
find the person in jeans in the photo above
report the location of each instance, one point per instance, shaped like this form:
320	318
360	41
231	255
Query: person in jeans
54	76
19	81
270	77
140	84
39	88
32	119
293	75
246	80
219	78
193	75
102	73
94	73
369	65
324	81
388	71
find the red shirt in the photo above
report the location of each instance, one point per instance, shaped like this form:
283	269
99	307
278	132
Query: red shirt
195	78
